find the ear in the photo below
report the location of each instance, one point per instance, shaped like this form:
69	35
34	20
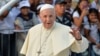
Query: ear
39	15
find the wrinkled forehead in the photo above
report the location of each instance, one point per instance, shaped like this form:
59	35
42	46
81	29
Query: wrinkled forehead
48	11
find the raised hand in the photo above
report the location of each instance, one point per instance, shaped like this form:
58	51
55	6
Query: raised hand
84	12
76	33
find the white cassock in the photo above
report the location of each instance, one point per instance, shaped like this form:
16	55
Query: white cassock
56	41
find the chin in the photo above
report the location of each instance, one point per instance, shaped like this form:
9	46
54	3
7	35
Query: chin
48	27
25	13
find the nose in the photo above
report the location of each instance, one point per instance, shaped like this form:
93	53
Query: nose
63	7
48	19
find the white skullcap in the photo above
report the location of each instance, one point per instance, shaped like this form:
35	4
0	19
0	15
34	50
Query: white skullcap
39	6
24	4
46	6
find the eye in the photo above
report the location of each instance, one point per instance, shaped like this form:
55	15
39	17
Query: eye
45	16
50	16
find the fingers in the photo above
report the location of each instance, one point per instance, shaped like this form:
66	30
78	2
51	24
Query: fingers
75	33
72	33
75	30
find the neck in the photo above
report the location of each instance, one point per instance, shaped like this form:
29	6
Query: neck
47	28
59	14
25	16
68	9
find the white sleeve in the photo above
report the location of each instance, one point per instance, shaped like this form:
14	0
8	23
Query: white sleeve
75	14
80	46
93	5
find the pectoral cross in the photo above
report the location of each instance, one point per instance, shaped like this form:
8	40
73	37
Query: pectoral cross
39	52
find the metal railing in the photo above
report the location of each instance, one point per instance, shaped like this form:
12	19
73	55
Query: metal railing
11	43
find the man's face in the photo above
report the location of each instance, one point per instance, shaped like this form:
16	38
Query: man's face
69	3
25	10
48	1
47	17
60	8
35	2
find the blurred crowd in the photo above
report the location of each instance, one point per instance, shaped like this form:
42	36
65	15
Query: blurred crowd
25	14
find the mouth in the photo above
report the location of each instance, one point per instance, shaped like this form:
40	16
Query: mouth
48	23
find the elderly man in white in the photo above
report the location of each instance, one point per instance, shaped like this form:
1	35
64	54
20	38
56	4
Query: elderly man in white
51	38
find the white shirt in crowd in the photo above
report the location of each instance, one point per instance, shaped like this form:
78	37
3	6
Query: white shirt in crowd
93	5
7	24
93	31
71	11
76	14
85	20
15	11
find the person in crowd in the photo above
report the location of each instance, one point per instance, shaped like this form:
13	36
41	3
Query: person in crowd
92	30
95	4
51	38
80	18
80	14
68	6
99	13
7	36
69	9
24	21
61	16
48	2
34	4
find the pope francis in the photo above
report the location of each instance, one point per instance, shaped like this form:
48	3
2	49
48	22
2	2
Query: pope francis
51	38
